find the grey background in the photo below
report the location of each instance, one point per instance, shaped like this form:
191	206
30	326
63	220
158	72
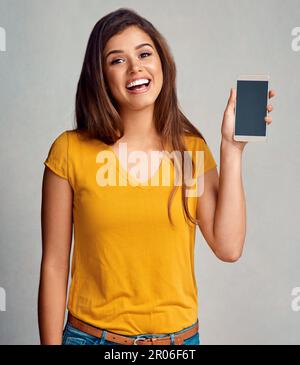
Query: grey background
247	302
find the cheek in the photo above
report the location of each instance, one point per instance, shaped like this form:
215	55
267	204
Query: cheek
159	75
158	71
115	84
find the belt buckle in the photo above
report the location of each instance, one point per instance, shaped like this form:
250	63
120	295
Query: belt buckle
140	339
150	339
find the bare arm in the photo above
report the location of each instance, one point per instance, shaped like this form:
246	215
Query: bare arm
56	220
230	216
221	208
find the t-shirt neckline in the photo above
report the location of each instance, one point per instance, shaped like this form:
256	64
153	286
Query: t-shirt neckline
131	179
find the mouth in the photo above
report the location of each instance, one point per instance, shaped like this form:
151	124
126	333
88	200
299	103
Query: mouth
139	89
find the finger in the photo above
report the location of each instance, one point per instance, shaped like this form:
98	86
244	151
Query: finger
271	93
270	107
268	120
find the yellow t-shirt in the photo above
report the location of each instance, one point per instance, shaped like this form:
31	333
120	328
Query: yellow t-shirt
132	272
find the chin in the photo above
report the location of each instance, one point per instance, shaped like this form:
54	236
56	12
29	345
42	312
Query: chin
140	106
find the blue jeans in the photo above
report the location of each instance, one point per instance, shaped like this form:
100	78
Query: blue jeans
73	336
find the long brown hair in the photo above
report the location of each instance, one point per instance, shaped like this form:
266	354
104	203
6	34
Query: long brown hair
97	110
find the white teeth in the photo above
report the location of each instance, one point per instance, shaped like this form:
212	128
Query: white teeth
138	82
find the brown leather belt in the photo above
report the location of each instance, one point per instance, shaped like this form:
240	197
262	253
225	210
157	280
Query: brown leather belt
120	339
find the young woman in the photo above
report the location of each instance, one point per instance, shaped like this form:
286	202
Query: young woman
132	275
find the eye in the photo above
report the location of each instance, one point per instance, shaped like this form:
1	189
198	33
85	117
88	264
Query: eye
144	53
148	53
114	61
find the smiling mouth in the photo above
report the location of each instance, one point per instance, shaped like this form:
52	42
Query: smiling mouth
139	88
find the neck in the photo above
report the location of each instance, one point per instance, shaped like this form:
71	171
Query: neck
139	125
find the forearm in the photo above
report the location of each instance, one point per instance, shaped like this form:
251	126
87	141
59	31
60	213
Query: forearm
52	304
230	214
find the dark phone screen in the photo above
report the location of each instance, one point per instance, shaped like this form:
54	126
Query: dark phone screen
251	103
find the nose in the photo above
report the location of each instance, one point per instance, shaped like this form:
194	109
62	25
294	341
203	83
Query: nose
135	65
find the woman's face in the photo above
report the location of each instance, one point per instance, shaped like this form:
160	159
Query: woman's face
130	62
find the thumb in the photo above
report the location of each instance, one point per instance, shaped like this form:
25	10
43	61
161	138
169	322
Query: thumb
232	98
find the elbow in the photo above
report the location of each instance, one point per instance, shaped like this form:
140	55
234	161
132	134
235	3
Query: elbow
229	255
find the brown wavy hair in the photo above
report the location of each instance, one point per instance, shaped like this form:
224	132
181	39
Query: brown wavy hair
96	110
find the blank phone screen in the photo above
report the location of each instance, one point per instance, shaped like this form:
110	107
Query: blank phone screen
250	110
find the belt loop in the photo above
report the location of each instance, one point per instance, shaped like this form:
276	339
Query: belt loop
103	337
172	338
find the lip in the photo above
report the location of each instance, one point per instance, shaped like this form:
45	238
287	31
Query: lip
142	91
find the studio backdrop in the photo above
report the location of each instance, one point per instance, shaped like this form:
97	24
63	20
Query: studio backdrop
255	300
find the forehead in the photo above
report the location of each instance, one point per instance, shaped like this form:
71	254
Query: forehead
128	38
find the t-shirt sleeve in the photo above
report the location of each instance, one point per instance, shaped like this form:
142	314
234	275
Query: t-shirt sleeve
57	159
209	161
202	156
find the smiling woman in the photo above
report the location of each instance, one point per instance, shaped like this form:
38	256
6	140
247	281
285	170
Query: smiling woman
132	275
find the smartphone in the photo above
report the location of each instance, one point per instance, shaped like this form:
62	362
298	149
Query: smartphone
252	94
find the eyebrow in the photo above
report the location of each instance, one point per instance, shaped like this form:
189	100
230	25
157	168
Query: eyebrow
120	51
